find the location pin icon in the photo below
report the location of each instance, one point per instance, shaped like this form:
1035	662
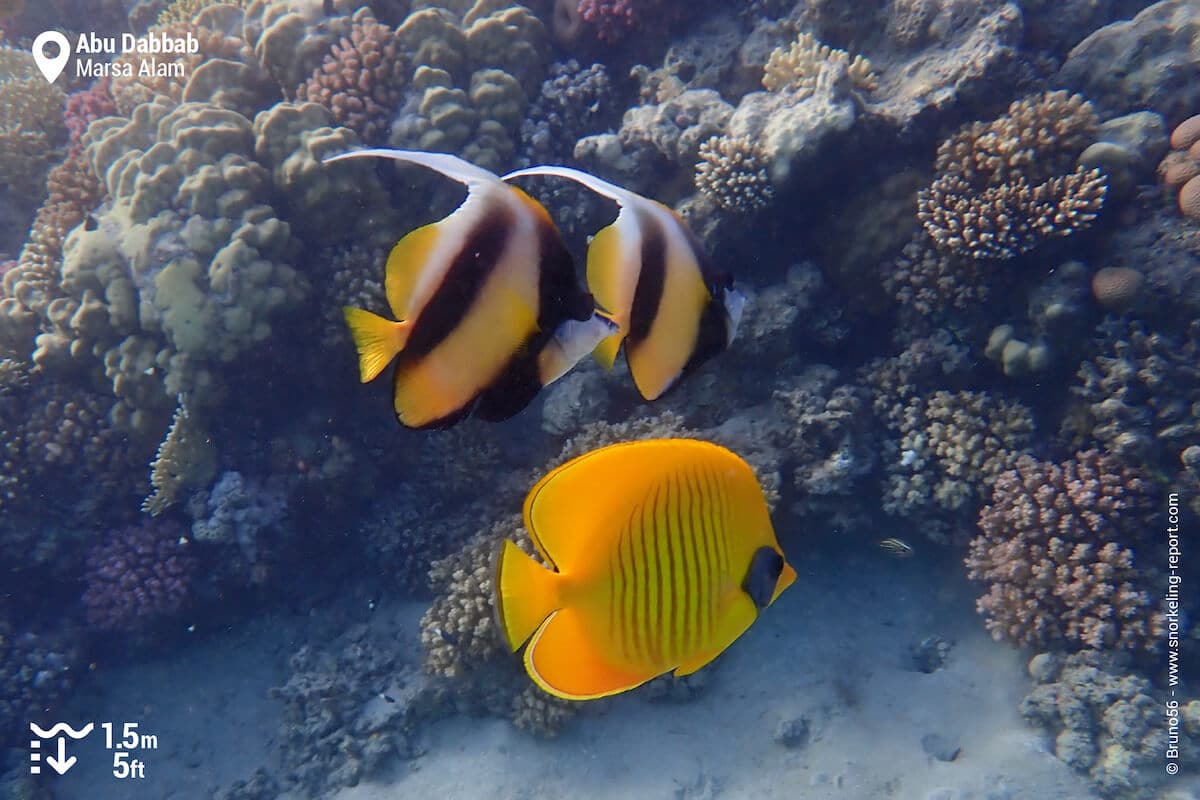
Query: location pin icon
51	67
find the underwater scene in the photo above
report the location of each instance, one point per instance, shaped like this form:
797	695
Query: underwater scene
608	399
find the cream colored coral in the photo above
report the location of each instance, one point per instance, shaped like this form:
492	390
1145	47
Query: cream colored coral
796	68
733	172
186	459
31	124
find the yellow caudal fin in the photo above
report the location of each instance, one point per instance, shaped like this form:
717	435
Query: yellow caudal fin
526	593
377	340
606	352
565	659
405	264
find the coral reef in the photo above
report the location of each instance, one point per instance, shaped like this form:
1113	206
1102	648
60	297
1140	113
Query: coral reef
37	670
186	459
1106	720
1179	170
733	173
139	576
1004	186
828	434
573	102
796	68
236	510
1056	548
362	79
32	126
949	449
350	705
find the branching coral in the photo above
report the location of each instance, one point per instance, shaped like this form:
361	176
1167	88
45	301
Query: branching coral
31	124
462	641
950	448
362	79
1005	186
1056	550
795	69
733	172
138	576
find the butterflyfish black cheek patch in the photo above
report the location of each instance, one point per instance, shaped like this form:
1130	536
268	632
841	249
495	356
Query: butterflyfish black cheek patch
765	568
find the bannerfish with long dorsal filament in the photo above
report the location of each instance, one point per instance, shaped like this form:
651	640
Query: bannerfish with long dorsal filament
488	309
661	554
647	269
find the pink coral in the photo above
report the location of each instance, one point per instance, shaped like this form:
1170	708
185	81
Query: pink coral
86	106
613	19
362	79
1056	550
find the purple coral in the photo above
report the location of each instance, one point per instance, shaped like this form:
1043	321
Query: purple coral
86	106
140	575
1056	548
613	19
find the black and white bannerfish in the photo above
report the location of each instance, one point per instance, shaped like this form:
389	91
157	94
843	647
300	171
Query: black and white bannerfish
674	309
487	304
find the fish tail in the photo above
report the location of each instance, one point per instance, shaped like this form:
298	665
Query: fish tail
526	593
606	352
377	340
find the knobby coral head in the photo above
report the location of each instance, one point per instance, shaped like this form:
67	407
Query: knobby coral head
140	575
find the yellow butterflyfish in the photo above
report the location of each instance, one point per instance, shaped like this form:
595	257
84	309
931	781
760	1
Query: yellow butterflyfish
661	554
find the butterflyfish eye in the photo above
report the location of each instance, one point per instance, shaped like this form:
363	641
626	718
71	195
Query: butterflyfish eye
765	568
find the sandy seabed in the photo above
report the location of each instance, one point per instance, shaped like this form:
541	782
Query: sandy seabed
835	651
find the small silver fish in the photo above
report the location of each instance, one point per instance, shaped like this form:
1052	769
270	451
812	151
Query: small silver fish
896	547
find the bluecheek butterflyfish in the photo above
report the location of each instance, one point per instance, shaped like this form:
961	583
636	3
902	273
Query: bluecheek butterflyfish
674	308
661	553
487	304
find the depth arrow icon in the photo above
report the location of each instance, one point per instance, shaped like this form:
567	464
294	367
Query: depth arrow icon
62	763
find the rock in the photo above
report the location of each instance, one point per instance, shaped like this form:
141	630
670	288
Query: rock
792	733
1146	62
943	748
929	655
1044	667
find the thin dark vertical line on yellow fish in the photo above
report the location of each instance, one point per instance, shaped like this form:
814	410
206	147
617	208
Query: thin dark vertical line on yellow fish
674	308
487	305
630	499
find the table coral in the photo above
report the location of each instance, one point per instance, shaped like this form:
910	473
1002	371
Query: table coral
1057	550
1005	186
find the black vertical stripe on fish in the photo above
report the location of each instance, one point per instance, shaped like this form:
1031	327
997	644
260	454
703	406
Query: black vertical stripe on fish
460	287
674	558
643	584
629	588
651	281
666	555
651	593
697	588
559	299
559	295
710	552
517	385
724	522
713	334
